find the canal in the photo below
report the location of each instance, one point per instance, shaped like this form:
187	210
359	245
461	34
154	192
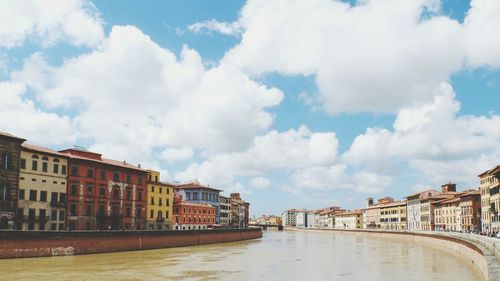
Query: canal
288	255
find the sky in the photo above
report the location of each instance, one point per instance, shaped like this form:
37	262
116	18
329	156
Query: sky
292	103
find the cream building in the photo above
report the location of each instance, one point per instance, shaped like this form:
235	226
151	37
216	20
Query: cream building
447	214
490	200
42	189
225	211
393	216
349	220
414	208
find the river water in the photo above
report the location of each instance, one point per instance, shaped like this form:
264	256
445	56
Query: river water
288	255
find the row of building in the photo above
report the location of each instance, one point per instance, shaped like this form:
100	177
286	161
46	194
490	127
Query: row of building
472	210
76	189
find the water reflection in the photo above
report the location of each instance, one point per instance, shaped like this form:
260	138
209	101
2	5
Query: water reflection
289	255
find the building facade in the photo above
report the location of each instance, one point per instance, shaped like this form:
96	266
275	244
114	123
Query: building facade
490	200
193	216
160	201
393	216
470	211
289	217
301	218
414	208
42	189
349	220
103	193
194	192
10	152
239	211
225	211
447	214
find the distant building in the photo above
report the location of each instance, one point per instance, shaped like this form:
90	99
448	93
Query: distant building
490	200
160	201
194	192
349	220
393	216
193	216
239	211
301	218
414	208
42	189
225	211
470	211
10	152
289	217
371	214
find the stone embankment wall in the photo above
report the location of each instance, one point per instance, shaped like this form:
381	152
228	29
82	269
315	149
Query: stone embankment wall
24	244
459	246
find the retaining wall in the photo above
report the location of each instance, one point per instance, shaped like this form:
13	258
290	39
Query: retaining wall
24	244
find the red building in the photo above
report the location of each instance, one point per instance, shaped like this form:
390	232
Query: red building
190	216
104	194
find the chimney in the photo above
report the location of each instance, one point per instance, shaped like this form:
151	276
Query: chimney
369	202
449	187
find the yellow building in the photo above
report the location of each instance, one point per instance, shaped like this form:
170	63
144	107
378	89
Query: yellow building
160	201
349	220
42	189
393	216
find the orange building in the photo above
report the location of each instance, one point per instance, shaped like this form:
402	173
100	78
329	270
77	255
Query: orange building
190	216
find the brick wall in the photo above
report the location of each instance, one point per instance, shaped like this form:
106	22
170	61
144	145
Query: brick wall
15	244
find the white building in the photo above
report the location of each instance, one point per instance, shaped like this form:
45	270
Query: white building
414	208
289	217
311	219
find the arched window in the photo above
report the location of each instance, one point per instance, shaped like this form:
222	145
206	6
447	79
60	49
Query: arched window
160	215
34	156
56	160
116	192
4	191
45	158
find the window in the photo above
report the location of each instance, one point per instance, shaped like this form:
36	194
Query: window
152	200
153	188
139	195
102	174
74	171
53	226
129	194
90	172
34	165
32	195
4	191
159	203
128	212
128	178
61	215
45	166
102	191
56	169
116	176
139	212
160	215
43	216
161	190
6	158
151	214
168	190
168	203
72	210
139	181
22	163
101	210
74	189
90	189
43	196
21	194
63	169
53	215
166	214
89	210
156	178
62	198
116	192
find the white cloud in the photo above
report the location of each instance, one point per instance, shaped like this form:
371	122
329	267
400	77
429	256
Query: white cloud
482	29
260	182
225	28
75	21
273	151
130	92
173	154
21	116
434	140
376	56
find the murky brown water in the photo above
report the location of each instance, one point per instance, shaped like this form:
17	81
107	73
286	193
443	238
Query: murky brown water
285	255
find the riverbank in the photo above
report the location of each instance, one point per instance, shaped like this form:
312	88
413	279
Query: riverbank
26	244
469	248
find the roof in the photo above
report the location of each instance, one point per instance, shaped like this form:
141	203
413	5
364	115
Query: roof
195	185
5	134
355	212
497	167
41	149
394	204
470	192
185	203
121	164
422	192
